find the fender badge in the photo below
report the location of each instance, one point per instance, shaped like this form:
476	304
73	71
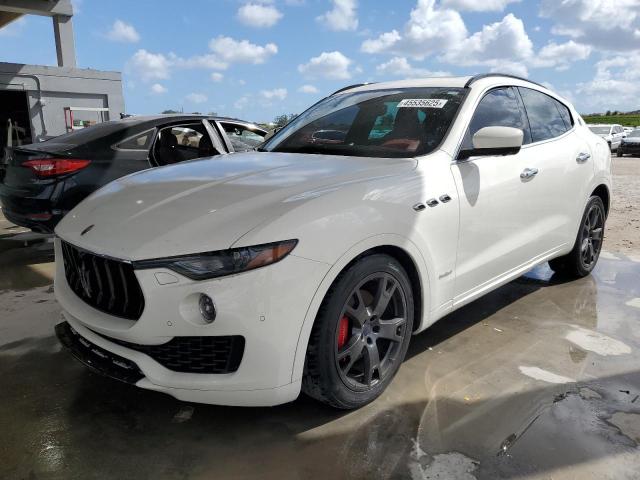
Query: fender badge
88	229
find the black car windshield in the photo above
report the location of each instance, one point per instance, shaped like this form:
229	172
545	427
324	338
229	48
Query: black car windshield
634	134
403	122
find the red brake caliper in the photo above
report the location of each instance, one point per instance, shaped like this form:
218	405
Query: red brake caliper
343	332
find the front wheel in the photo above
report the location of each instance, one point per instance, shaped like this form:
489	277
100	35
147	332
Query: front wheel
361	333
586	250
618	152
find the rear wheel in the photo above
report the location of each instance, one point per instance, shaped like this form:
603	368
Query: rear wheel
618	152
361	334
586	251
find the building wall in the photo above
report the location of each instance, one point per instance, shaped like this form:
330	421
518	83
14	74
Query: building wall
50	89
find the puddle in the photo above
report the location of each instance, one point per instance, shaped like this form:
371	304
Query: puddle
608	255
628	424
597	342
634	302
544	375
452	465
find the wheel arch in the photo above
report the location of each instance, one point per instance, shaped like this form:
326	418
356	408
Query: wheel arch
602	191
396	246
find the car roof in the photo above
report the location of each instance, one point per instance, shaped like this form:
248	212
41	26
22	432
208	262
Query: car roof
153	119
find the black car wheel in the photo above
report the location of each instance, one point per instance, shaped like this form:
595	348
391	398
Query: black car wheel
581	261
361	334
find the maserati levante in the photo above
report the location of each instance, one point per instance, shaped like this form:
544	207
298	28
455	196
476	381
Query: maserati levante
307	265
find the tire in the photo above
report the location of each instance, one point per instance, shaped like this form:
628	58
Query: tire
583	258
618	152
351	320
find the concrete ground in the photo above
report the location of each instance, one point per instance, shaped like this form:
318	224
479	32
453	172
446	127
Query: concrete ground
538	380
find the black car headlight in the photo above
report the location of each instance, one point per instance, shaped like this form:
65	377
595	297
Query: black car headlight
203	266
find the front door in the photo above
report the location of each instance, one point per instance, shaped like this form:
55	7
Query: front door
495	210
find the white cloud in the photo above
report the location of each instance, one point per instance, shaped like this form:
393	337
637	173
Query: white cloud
196	98
259	15
616	85
400	67
331	65
158	89
512	68
479	5
430	29
149	66
612	25
217	77
241	51
502	41
343	16
207	61
308	89
241	103
275	94
561	55
123	32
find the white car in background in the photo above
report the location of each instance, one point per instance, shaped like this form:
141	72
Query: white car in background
307	265
612	134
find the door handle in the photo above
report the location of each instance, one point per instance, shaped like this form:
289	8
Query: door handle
529	173
582	157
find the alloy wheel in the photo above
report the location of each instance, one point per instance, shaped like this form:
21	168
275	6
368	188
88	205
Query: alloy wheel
370	331
592	235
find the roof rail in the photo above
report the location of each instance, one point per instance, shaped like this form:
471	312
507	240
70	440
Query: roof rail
475	78
350	87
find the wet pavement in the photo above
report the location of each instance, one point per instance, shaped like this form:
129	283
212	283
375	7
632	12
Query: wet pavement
539	379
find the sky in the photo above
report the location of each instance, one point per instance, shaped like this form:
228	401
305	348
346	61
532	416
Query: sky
255	59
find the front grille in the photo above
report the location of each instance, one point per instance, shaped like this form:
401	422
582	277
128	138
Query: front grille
221	354
107	285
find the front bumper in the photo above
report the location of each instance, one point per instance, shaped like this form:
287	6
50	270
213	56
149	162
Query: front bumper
266	306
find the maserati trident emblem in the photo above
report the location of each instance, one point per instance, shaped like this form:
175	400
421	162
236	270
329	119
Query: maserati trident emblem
88	229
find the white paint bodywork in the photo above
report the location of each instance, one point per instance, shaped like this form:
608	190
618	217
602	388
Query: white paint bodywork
495	228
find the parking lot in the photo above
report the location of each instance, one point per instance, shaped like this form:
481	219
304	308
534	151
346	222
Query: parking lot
538	379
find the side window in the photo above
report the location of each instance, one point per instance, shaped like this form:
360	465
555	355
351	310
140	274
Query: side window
178	143
565	114
242	139
544	116
498	108
142	141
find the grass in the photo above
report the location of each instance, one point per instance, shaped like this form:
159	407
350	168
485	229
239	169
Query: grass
624	120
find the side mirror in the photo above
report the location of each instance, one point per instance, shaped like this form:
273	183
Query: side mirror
493	141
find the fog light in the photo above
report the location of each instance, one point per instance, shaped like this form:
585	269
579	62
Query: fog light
207	308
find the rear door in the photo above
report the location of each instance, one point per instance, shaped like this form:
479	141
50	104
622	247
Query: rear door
181	141
564	163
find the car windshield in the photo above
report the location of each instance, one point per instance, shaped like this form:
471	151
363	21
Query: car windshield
600	130
634	134
381	123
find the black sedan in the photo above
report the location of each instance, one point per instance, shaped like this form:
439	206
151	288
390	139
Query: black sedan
40	183
630	144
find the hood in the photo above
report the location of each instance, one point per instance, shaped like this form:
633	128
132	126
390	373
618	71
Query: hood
206	205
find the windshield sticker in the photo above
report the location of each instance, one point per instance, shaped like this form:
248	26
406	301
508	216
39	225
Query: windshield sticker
422	103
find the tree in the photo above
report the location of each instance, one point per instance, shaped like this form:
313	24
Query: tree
166	112
281	120
608	113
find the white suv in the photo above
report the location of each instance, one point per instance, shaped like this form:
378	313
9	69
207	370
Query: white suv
612	134
308	265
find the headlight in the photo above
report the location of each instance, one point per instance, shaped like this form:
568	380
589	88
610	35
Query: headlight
203	266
